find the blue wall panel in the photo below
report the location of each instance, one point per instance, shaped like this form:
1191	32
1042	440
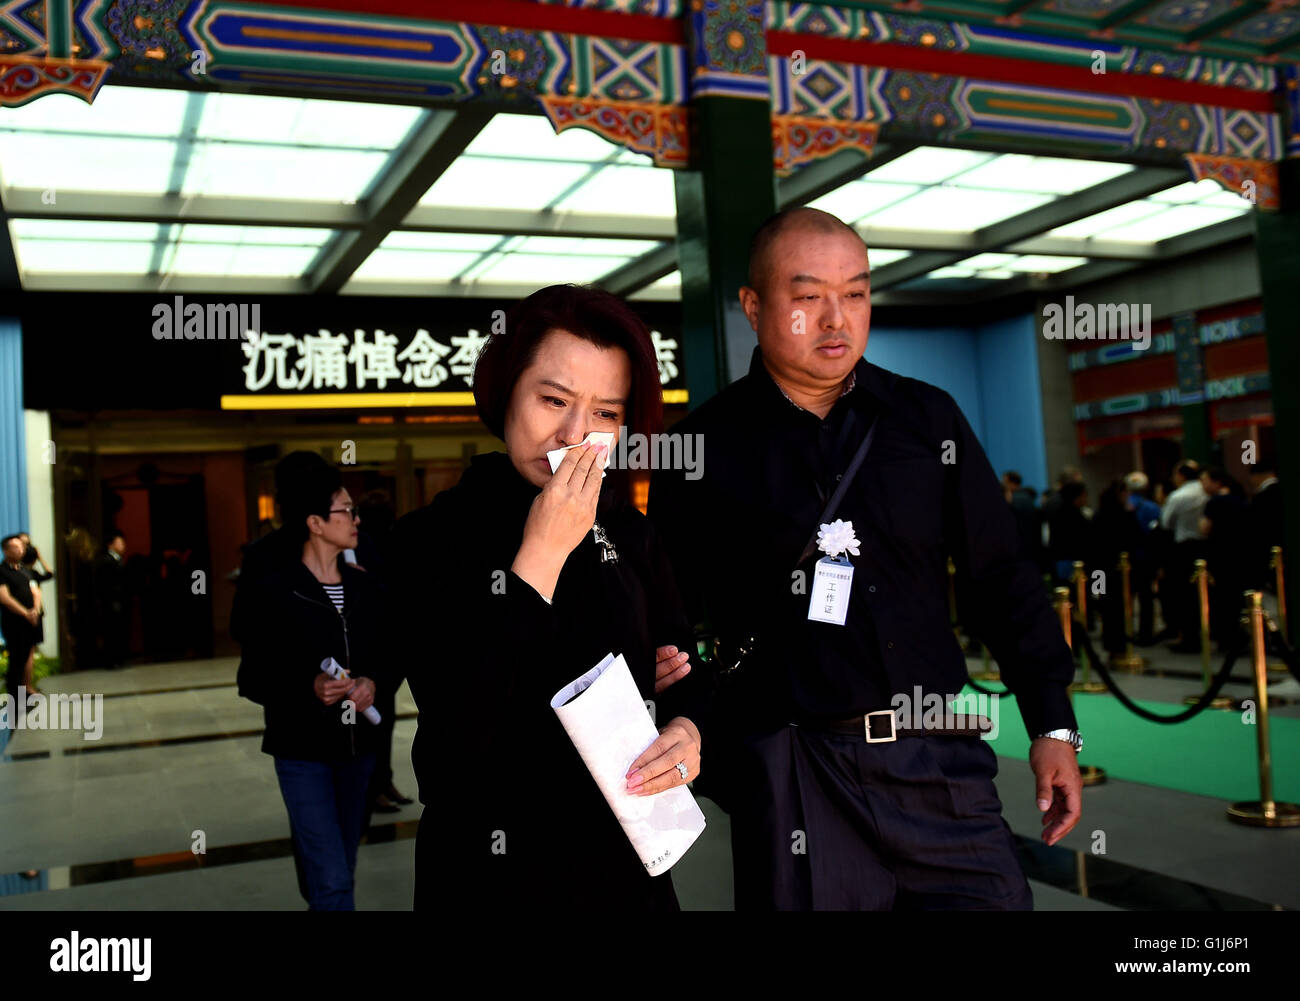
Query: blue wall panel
1012	398
992	373
13	437
942	356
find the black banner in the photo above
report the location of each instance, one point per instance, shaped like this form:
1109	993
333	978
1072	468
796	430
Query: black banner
169	352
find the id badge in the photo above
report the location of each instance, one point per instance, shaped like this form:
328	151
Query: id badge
832	580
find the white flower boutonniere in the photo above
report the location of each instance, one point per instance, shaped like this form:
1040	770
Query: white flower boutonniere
836	538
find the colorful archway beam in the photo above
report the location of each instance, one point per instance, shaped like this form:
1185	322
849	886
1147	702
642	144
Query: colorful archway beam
525	14
24	80
797	140
1254	180
659	130
388	54
891	55
117	29
663	131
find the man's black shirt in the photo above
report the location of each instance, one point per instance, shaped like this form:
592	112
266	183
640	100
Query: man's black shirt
925	492
20	589
19	584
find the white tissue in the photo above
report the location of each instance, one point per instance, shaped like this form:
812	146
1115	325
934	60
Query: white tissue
556	456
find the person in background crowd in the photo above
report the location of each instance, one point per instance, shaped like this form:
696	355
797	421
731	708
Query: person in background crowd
111	598
1145	559
1052	498
1265	524
295	617
1163	556
82	551
20	611
1026	514
1050	506
275	547
275	543
1145	510
1069	531
1227	552
30	558
1115	530
1182	516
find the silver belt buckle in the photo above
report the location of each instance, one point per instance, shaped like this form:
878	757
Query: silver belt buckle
866	723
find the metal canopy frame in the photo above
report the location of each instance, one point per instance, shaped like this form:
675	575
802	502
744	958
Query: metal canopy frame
441	136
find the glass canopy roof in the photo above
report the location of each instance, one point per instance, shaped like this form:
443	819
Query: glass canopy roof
231	191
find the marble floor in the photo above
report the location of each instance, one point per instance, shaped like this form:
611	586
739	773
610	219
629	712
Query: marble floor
109	824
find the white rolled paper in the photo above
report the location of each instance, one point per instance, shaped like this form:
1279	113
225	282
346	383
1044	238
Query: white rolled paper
335	670
608	722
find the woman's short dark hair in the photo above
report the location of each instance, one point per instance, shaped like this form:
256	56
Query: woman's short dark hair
589	313
310	492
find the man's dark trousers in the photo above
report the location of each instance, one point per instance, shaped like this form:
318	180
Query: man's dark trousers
826	821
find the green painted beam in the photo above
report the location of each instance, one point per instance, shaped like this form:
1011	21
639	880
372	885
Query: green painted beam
1197	442
725	195
58	28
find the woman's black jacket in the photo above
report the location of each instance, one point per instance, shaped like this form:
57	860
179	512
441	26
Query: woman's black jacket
289	627
513	812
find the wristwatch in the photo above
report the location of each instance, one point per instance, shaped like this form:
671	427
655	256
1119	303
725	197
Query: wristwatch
1071	737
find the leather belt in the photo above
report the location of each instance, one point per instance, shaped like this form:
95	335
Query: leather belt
881	727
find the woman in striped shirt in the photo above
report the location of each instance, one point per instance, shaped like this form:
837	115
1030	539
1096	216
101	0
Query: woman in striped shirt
303	614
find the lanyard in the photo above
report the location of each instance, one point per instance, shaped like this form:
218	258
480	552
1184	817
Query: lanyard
832	505
837	460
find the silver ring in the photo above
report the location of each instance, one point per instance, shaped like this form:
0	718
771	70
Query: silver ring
681	768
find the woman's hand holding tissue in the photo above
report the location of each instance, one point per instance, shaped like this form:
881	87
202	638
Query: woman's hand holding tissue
560	517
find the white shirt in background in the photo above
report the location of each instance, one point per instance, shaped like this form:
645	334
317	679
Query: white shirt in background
1183	509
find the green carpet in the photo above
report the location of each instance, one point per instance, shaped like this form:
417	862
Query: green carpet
1212	754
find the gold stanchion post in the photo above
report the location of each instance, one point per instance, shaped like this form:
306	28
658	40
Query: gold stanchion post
1090	774
1201	578
1063	613
1080	579
1128	660
1264	812
1275	564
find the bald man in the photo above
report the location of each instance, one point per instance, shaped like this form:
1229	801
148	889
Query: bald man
848	785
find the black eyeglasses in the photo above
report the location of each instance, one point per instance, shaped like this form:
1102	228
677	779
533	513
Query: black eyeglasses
351	511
